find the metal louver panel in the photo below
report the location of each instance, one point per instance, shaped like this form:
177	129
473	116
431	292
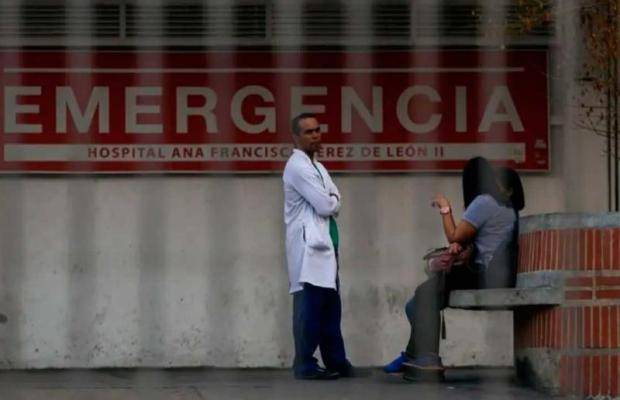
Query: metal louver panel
165	20
31	20
324	18
144	21
40	20
250	20
254	22
392	19
184	20
197	19
343	21
447	19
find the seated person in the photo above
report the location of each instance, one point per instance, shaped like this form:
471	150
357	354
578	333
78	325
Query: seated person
492	201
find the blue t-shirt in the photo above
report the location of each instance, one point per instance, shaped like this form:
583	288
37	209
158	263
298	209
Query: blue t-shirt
494	223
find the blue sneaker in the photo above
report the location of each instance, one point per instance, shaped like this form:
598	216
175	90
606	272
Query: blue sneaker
396	365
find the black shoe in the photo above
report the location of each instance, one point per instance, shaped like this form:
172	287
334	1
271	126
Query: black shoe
319	374
347	371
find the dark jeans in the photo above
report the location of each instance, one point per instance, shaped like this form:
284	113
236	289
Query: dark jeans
423	309
316	322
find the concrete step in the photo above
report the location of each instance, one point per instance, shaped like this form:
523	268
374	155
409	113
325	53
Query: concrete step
507	298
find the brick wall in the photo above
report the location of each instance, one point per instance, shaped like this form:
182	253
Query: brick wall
584	332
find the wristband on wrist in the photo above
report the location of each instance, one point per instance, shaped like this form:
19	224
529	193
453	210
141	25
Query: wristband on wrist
445	210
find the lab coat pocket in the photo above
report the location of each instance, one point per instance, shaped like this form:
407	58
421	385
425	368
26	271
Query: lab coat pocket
316	232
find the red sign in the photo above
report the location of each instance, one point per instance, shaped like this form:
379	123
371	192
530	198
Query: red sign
72	111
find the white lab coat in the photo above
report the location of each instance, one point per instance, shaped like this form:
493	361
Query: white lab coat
309	201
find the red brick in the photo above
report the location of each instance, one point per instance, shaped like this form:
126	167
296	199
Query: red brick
535	249
562	262
615	249
614	321
520	256
587	328
604	375
557	246
586	379
568	249
575	250
561	234
583	249
530	256
578	294
579	281
549	251
558	250
539	251
606	243
604	343
608	281
613	376
578	328
552	249
566	330
576	332
543	250
608	294
521	250
530	251
596	375
597	249
596	327
578	373
558	328
571	332
590	249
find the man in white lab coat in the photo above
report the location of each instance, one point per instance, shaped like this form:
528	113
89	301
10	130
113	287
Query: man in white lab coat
311	203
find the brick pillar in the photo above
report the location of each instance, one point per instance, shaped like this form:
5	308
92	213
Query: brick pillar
573	349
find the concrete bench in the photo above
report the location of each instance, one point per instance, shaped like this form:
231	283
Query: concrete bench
478	325
565	310
507	298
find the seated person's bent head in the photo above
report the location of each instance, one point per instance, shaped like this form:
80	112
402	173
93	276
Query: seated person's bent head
479	178
510	184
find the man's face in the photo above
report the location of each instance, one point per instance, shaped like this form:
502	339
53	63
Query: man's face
309	138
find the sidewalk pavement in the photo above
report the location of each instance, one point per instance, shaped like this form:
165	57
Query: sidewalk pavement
251	384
